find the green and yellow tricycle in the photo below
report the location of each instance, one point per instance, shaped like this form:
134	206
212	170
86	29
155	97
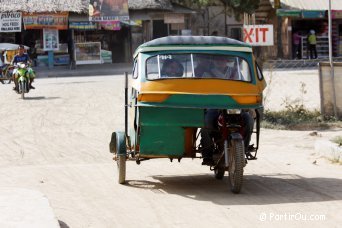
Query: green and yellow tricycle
192	97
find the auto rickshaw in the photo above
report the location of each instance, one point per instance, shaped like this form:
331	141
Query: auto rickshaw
7	52
192	97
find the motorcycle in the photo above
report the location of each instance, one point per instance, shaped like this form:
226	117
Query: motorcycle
23	79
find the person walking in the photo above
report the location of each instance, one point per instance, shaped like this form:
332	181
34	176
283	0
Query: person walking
312	40
296	53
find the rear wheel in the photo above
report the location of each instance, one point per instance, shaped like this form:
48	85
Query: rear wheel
219	173
236	164
220	169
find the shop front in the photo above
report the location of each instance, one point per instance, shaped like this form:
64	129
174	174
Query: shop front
10	28
308	17
47	36
99	42
311	22
337	31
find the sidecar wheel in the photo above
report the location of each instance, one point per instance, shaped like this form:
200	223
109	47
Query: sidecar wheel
236	164
121	163
119	149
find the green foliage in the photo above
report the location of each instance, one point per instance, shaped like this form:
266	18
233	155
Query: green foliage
197	3
242	6
292	118
237	6
337	140
296	116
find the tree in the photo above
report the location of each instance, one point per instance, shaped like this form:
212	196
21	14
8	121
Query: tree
231	7
238	7
243	6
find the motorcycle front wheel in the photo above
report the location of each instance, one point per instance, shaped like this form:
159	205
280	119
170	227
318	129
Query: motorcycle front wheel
236	164
22	89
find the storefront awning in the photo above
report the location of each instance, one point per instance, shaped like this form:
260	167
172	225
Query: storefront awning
309	4
76	17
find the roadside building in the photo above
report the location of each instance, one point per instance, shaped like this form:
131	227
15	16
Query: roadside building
297	17
71	33
37	16
158	18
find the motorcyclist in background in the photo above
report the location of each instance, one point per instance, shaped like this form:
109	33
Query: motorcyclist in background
22	57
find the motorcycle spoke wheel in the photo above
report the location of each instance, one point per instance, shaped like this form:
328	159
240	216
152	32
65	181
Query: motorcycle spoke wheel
236	164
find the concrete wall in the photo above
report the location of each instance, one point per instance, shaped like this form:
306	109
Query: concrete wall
326	89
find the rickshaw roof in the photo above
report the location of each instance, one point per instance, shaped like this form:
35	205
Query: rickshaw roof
193	43
10	47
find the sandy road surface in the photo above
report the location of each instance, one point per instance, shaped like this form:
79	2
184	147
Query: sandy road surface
56	142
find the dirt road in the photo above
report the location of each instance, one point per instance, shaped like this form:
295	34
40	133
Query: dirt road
56	142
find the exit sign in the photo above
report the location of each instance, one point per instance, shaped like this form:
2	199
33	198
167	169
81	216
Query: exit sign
258	35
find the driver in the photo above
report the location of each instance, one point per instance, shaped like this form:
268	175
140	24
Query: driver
208	132
22	57
220	66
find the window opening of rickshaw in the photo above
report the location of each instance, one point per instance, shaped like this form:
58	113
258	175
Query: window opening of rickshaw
198	66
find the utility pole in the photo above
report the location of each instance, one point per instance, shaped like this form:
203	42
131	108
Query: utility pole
332	71
280	53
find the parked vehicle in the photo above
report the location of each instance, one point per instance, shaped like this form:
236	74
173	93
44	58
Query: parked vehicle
8	50
177	84
6	74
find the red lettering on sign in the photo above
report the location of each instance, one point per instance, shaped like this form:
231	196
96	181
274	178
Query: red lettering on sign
264	30
248	35
257	35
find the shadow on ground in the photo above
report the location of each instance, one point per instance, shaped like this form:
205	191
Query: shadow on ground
63	224
256	190
41	98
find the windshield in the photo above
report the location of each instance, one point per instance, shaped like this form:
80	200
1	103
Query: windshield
197	66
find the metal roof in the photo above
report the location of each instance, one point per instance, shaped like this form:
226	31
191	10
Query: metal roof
194	40
149	4
193	43
34	6
310	4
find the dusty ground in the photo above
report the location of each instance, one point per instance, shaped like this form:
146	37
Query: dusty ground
56	142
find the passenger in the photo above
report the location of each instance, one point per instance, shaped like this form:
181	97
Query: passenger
202	69
172	68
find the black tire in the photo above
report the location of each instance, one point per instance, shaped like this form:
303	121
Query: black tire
236	163
5	81
207	143
22	89
120	151
219	173
121	163
7	78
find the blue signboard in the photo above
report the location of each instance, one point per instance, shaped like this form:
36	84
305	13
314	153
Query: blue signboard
83	25
313	14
